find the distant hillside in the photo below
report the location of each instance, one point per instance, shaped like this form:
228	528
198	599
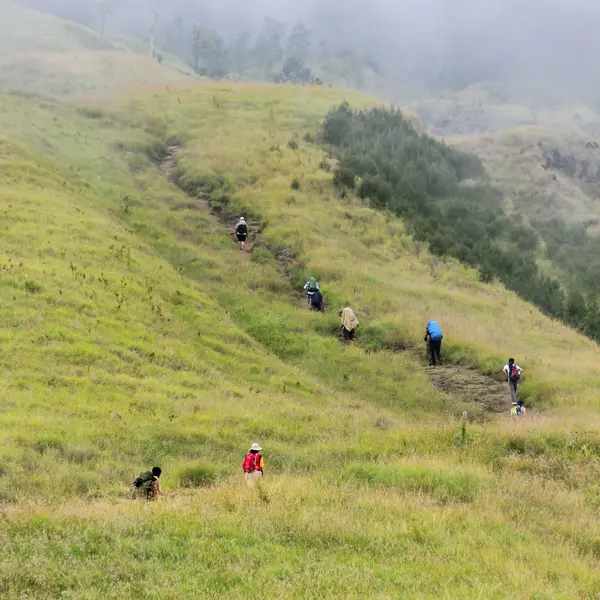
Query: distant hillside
546	173
41	53
25	30
550	179
492	107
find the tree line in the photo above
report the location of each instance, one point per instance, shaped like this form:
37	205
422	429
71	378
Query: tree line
444	197
268	49
273	54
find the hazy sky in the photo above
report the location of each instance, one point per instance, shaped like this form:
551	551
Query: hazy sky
511	38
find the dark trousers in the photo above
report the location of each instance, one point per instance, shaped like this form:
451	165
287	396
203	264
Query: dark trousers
434	350
513	389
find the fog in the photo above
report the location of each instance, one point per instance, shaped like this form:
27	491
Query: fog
437	43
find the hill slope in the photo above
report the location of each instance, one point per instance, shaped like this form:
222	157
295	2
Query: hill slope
549	173
41	53
133	332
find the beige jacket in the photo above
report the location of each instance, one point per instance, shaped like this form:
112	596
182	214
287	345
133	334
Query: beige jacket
349	320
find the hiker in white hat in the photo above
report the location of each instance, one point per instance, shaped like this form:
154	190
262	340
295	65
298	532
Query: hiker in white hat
241	231
254	464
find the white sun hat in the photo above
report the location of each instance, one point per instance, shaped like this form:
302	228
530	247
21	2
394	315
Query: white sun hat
256	447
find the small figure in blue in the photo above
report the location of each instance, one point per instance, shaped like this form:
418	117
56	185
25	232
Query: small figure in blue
433	337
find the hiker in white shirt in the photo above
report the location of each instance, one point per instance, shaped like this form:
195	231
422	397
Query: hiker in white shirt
513	375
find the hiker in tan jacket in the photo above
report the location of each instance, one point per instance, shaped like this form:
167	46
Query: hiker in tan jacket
349	324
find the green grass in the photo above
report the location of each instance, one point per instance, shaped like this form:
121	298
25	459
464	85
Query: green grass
42	54
134	333
26	30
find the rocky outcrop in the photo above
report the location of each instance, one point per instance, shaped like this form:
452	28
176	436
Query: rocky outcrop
582	166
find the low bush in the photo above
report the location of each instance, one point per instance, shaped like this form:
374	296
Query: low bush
197	476
385	336
445	486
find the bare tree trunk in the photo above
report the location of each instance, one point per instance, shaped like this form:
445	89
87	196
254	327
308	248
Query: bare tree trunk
152	32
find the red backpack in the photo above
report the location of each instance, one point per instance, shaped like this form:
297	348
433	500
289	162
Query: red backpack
514	373
252	462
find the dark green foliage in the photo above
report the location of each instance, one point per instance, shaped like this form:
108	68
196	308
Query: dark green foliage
269	45
344	178
299	42
577	254
293	145
208	52
385	336
294	71
92	113
524	237
31	287
443	195
295	185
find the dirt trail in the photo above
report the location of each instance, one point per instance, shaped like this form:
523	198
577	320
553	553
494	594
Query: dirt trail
168	167
462	383
471	386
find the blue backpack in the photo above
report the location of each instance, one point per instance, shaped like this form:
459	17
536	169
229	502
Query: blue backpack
435	331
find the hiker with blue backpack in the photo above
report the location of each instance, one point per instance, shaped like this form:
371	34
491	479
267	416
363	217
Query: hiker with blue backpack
513	375
433	337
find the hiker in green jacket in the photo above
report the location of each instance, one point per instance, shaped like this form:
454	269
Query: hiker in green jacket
311	287
146	485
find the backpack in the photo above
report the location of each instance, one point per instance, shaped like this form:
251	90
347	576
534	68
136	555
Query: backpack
513	373
519	411
242	228
252	462
435	331
316	301
145	483
312	285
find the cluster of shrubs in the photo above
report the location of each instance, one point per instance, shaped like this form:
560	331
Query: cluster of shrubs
444	197
577	253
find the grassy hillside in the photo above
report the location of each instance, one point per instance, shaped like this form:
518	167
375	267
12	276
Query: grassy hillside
41	53
547	172
489	107
134	332
25	30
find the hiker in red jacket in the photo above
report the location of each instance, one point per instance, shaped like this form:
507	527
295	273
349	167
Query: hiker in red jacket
254	463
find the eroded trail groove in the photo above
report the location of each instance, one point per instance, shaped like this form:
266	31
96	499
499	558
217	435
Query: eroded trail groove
471	386
168	167
462	383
